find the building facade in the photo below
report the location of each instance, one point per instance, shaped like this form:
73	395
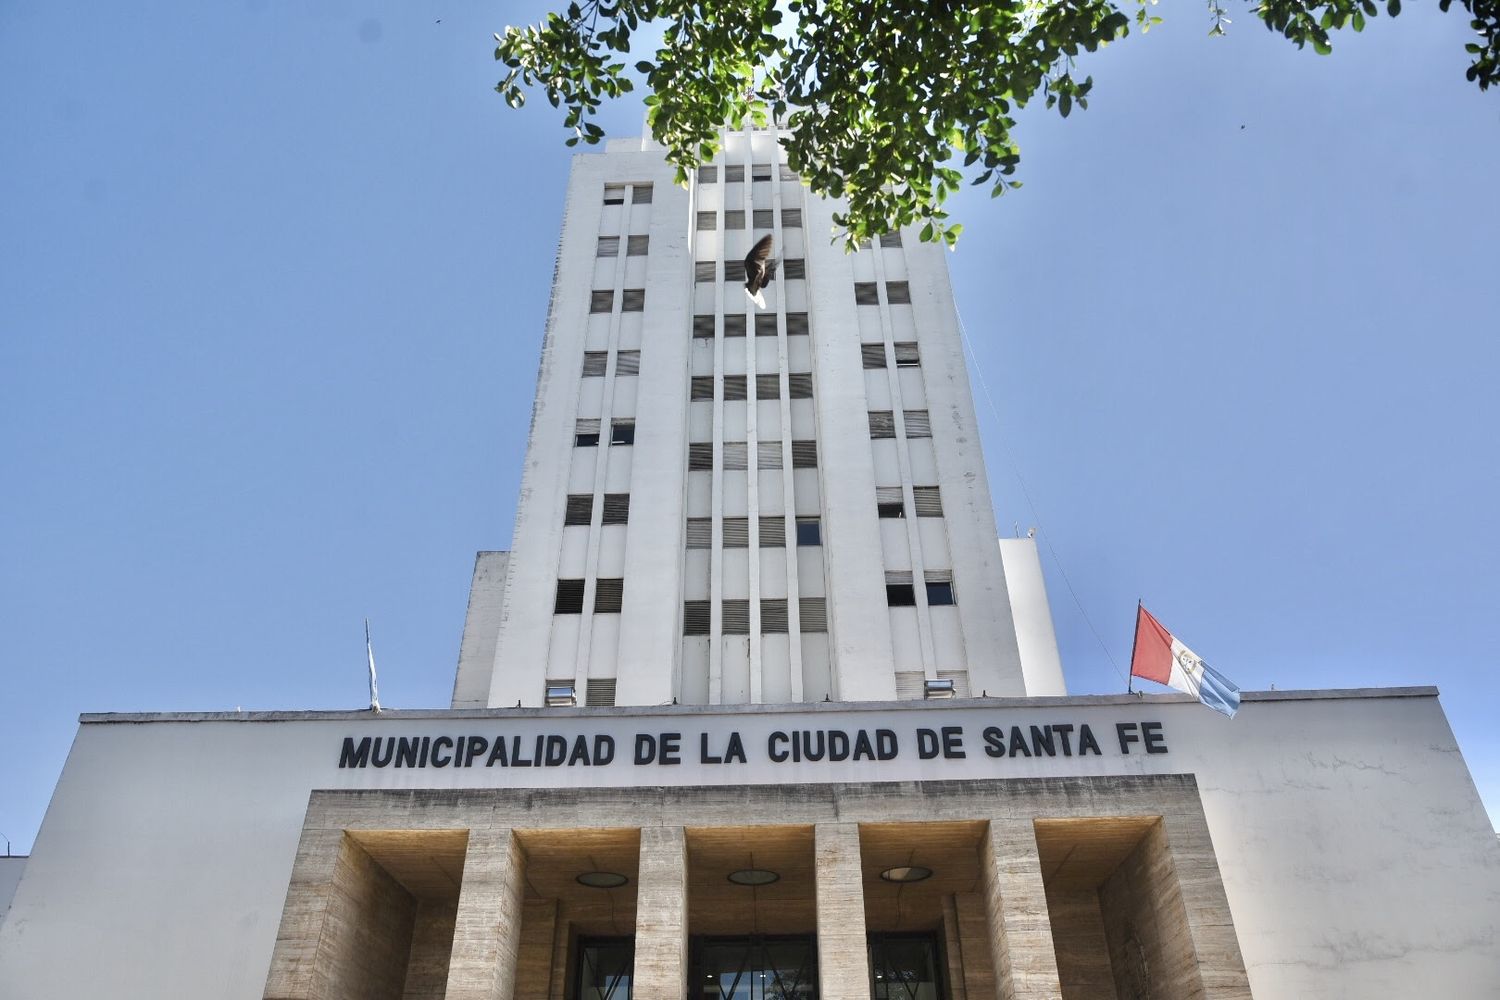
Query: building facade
756	708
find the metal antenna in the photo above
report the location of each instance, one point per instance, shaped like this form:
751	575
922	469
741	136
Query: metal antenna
374	687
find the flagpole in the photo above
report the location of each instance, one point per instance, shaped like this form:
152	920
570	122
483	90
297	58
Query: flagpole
1130	670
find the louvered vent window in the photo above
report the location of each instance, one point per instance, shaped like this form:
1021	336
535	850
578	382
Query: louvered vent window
704	270
760	171
734	326
695	618
586	433
907	355
796	324
873	355
773	616
609	595
569	598
736	532
864	244
628	363
609	246
809	531
580	509
634	300
637	246
640	194
898	576
787	173
910	685
795	268
703	387
708	175
703	327
765	324
622	431
773	532
799	385
601	691
939	590
734	172
768	387
768	455
865	294
735	457
763	218
804	454
889	240
734	270
700	456
614	194
927	500
882	424
897	291
601	301
594	363
791	218
888	501
814	614
700	532
707	222
734	387
616	508
918	424
736	617
734	219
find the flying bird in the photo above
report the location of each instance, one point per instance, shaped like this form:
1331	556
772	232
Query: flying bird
760	269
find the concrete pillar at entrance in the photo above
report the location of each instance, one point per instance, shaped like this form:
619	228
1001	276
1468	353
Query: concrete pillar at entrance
661	915
843	956
487	931
1205	905
1020	929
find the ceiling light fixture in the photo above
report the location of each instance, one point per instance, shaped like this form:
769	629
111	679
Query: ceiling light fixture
906	873
754	876
602	880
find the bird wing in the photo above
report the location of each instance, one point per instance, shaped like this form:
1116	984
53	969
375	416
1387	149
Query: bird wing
757	264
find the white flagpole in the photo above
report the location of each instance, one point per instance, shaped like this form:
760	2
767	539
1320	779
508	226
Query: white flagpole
374	687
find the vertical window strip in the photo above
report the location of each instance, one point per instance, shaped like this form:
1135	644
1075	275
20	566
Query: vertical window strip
703	326
701	456
734	387
767	455
791	218
736	617
796	324
734	219
616	508
760	171
873	355
794	268
813	612
734	326
640	194
918	423
927	501
708	174
734	270
736	532
637	246
907	355
897	292
767	387
765	324
804	454
609	246
704	270
799	385
601	301
628	363
702	388
695	617
600	692
763	218
773	531
735	456
700	532
579	509
734	172
594	363
609	596
809	531
707	222
569	600
634	300
865	294
773	616
882	424
614	194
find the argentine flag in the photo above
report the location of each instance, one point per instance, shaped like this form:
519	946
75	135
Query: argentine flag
1162	658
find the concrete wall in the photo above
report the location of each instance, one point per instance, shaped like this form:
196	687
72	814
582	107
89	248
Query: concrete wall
11	869
476	651
1041	664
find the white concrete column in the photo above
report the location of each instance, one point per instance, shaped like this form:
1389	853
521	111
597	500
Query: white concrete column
487	932
661	915
843	954
1020	928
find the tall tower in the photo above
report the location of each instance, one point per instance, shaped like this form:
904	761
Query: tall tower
726	505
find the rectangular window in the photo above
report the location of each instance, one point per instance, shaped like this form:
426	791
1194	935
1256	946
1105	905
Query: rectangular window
704	270
695	617
736	617
773	616
734	270
609	595
736	532
788	174
791	218
601	690
640	194
734	219
873	355
804	454
734	172
768	455
569	599
907	355
927	500
580	509
773	532
897	292
796	324
900	595
634	300
795	268
765	324
700	532
939	593
703	327
601	301
736	456
768	387
609	246
814	614
700	456
702	388
734	326
616	508
734	387
622	432
707	222
865	294
708	175
637	246
594	363
890	240
760	171
888	502
864	244
809	531
918	423
882	424
614	194
799	385
628	363
586	434
763	218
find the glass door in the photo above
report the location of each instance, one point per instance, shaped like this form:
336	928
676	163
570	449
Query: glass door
604	967
754	968
904	967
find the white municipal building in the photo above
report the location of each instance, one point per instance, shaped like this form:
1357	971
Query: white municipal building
758	708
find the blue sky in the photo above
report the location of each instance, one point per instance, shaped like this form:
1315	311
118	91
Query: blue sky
272	284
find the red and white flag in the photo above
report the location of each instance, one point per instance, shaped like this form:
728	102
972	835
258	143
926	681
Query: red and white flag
1161	657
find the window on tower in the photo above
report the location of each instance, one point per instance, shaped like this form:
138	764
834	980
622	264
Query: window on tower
622	432
569	598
